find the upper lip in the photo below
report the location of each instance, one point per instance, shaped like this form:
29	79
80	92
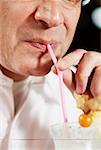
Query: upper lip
41	41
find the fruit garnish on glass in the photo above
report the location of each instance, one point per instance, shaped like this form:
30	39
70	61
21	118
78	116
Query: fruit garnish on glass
91	108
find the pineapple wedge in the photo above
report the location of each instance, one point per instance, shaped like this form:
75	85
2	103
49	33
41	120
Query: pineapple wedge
86	103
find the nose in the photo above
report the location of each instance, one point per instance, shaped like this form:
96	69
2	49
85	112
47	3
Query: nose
49	13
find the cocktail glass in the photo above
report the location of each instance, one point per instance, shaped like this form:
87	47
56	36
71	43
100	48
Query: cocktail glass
71	136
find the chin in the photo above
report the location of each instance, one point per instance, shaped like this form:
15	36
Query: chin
43	73
40	72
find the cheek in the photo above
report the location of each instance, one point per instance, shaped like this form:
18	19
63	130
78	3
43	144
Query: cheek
19	11
7	33
71	19
12	15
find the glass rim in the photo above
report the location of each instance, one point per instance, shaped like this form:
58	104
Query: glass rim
75	132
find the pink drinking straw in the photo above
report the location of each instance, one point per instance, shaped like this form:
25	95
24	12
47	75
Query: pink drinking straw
61	84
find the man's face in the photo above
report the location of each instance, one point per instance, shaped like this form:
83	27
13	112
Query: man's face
27	26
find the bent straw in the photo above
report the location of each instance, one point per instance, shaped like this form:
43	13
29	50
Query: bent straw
61	84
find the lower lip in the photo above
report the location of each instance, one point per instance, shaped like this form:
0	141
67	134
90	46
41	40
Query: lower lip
38	46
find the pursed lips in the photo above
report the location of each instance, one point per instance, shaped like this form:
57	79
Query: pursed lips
41	44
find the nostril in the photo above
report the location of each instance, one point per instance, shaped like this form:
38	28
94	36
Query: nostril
40	19
42	23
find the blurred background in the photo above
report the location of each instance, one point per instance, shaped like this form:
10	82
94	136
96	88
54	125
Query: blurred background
88	33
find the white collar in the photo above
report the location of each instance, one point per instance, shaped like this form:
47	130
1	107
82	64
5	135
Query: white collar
4	80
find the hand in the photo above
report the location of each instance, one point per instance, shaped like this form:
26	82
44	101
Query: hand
88	66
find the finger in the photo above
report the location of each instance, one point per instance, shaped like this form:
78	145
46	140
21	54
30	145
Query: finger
96	83
69	80
72	59
67	77
53	69
84	70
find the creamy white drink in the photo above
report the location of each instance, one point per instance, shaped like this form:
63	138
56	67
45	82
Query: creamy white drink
71	136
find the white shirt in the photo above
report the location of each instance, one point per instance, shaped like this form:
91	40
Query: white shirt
28	109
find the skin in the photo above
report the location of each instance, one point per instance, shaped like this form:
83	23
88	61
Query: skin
22	20
48	20
86	80
88	68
